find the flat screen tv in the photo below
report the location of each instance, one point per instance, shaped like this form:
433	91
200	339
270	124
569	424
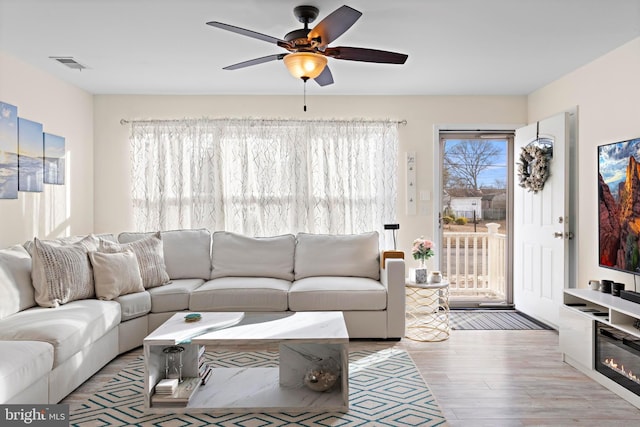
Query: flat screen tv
619	205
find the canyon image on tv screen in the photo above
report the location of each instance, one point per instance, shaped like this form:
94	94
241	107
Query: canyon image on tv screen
619	205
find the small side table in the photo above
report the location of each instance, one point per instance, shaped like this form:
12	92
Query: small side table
427	311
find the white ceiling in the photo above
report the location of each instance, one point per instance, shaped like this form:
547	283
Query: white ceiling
455	47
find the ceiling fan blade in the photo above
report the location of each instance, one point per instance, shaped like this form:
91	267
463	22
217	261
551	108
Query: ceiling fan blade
334	25
325	78
256	61
366	55
249	33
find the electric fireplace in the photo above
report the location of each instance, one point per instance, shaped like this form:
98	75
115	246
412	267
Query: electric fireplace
617	356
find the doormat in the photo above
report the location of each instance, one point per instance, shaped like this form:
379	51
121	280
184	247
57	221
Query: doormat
385	388
493	320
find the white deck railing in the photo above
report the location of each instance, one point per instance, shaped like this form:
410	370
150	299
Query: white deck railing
475	263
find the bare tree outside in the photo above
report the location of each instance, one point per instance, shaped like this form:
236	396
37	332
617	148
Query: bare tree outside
465	160
474	182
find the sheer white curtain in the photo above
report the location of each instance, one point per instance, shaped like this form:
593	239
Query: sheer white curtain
265	177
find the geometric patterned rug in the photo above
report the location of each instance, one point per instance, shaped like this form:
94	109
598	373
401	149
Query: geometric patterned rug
493	320
385	389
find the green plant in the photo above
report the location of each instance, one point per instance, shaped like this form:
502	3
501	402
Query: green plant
461	221
447	219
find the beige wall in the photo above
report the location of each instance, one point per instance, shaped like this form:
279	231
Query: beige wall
607	93
112	202
63	110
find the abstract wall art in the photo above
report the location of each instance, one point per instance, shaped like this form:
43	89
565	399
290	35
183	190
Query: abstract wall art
8	151
53	159
30	155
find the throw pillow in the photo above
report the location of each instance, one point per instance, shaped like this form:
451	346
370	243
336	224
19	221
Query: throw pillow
62	274
150	256
115	274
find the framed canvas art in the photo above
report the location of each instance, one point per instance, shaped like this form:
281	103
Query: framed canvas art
8	151
30	155
53	159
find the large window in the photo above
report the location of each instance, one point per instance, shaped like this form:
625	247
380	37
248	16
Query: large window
264	177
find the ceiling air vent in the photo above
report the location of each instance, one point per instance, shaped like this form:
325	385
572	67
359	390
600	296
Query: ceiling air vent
68	61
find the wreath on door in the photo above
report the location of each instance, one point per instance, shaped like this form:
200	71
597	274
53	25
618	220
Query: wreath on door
533	167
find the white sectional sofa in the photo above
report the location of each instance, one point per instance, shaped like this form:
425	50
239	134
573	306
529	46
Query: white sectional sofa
46	352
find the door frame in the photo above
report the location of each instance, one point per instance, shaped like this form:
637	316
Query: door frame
569	168
574	247
437	193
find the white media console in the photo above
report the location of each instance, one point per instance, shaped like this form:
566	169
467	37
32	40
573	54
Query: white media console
581	309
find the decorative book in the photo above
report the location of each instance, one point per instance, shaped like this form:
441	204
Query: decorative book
167	386
180	397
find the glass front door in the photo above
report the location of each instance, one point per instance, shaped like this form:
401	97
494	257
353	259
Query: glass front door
475	217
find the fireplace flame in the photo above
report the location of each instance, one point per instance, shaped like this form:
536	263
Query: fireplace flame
611	363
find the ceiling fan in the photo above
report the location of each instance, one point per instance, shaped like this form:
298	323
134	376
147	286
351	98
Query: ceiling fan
308	48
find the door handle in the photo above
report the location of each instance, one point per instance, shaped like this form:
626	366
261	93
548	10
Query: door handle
567	235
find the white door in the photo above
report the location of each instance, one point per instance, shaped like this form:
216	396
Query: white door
541	227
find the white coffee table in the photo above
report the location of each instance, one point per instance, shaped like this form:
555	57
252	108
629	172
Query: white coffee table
304	340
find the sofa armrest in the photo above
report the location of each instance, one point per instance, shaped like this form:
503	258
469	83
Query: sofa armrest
392	277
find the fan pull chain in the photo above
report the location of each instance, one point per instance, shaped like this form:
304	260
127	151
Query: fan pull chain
304	79
305	95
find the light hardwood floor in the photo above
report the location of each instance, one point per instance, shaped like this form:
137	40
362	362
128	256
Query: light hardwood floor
486	378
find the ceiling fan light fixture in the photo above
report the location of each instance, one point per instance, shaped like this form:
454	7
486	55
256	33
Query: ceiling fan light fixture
305	65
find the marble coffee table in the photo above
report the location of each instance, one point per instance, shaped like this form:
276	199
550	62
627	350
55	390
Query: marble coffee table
305	341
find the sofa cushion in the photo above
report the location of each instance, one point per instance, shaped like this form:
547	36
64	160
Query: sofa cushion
187	253
64	241
235	255
337	293
115	274
69	328
61	274
355	255
241	294
21	364
16	290
134	305
173	296
29	245
150	255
